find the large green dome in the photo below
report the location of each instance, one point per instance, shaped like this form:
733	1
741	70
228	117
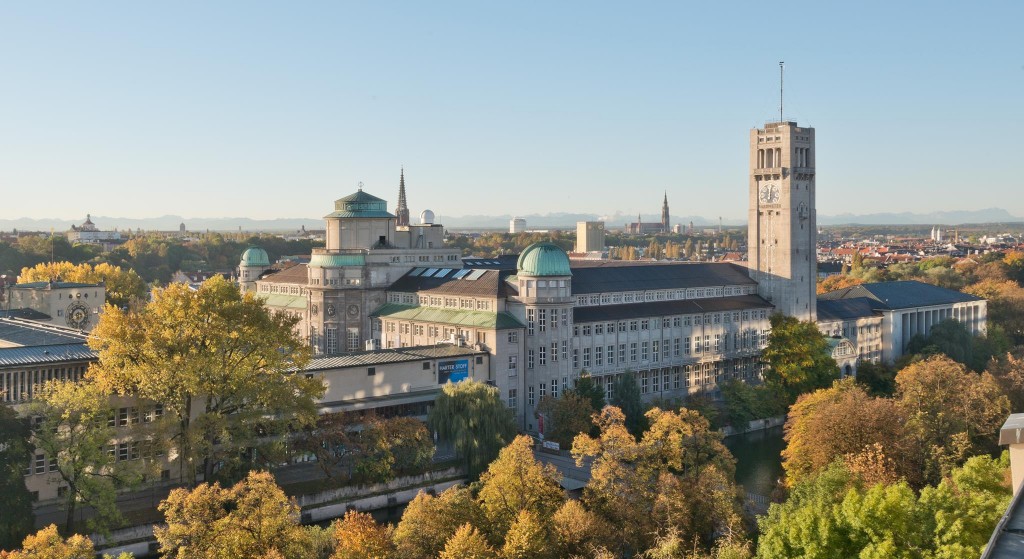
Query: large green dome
255	256
543	259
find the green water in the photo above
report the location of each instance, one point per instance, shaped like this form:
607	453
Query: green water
758	459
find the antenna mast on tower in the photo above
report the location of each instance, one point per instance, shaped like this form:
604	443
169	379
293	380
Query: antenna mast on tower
781	68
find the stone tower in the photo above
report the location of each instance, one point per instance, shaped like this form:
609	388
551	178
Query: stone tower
665	227
782	222
402	211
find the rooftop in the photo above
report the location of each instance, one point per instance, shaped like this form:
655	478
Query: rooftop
53	285
901	294
377	357
666	308
477	319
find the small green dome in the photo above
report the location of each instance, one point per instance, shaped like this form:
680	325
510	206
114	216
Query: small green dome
543	259
255	256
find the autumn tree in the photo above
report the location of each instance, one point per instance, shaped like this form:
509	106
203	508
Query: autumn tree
578	531
48	544
75	434
428	522
565	417
798	356
953	412
1008	371
516	482
360	537
223	366
1005	305
528	538
843	420
123	286
467	543
15	499
472	416
839	281
250	520
679	463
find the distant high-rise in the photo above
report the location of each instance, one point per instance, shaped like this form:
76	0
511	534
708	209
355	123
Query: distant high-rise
516	225
402	211
782	228
589	236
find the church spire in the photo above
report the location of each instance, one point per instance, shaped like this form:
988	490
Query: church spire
402	211
664	214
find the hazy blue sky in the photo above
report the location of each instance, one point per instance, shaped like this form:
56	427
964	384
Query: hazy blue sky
275	109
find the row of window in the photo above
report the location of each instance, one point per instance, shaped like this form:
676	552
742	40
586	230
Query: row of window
592	300
538	319
121	417
647	351
16	386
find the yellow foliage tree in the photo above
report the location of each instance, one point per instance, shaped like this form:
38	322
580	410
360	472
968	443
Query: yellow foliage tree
251	520
360	537
123	287
517	482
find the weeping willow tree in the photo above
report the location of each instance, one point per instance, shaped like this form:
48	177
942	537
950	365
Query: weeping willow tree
472	416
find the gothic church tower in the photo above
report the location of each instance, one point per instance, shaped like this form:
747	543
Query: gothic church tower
665	227
782	221
402	210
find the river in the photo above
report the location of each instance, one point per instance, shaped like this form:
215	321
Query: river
758	459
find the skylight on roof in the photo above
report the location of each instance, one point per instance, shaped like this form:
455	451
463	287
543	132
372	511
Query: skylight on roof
475	275
443	273
416	271
461	273
429	273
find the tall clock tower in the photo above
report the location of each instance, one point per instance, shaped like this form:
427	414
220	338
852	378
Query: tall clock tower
782	225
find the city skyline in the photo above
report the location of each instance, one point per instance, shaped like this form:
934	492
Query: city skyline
264	111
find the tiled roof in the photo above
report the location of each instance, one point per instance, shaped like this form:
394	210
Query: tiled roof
28	314
600	276
667	308
478	319
902	294
293	274
369	358
846	309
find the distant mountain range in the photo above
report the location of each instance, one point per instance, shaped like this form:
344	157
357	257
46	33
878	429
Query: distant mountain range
533	221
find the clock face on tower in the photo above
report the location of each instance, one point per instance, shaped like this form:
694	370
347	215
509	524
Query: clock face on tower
77	315
769	194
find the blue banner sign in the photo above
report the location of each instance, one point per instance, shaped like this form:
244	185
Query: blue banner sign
452	371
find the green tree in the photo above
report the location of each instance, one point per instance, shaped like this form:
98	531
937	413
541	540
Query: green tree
832	515
879	379
15	500
221	364
798	356
565	417
745	402
626	396
586	387
472	416
516	482
253	519
73	432
410	443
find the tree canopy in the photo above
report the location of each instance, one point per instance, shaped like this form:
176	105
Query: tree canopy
472	416
798	356
15	499
219	362
123	286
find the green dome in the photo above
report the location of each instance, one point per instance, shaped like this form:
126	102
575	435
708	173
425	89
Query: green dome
543	259
360	204
255	256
